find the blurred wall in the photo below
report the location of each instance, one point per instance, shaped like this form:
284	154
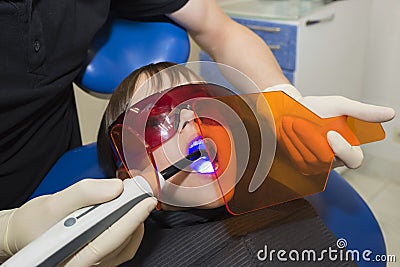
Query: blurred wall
382	72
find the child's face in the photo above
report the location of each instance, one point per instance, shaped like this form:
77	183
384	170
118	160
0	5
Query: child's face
190	187
193	187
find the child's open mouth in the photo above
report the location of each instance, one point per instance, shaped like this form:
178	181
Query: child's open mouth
203	164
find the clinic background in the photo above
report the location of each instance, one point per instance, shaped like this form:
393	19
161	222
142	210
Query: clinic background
378	180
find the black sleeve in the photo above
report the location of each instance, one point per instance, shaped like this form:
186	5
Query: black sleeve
145	8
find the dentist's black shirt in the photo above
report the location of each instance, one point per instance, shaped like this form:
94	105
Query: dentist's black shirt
42	46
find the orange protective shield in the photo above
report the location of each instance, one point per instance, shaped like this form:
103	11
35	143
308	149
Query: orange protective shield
302	159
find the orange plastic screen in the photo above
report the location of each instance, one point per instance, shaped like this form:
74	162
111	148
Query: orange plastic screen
302	159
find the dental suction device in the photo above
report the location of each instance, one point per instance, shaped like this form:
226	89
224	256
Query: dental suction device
82	226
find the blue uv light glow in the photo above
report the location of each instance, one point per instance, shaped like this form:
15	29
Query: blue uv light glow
203	164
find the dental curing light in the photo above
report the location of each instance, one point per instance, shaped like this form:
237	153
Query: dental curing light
82	226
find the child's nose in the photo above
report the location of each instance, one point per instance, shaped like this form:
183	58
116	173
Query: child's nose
186	116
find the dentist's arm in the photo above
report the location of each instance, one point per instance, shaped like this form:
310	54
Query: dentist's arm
119	243
229	43
233	44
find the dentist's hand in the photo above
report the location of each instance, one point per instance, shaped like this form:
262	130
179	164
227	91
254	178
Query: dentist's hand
307	148
306	143
119	243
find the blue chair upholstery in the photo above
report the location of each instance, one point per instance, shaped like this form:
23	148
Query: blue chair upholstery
73	166
124	45
347	215
341	208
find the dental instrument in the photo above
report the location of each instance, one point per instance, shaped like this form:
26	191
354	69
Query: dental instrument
82	226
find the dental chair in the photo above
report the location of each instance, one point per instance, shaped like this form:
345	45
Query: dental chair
126	45
122	46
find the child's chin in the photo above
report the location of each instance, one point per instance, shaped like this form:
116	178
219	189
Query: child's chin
212	205
199	203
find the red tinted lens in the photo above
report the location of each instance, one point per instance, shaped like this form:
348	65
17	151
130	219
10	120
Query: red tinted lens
160	122
159	128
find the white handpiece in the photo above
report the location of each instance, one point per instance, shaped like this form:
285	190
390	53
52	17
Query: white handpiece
80	227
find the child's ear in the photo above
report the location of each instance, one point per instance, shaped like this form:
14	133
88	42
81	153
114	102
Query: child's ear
122	174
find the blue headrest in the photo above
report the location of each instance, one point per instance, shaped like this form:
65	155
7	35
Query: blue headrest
124	45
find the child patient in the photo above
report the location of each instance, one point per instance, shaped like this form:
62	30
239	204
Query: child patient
203	233
165	119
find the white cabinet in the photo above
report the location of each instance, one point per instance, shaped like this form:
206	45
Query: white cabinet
320	47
